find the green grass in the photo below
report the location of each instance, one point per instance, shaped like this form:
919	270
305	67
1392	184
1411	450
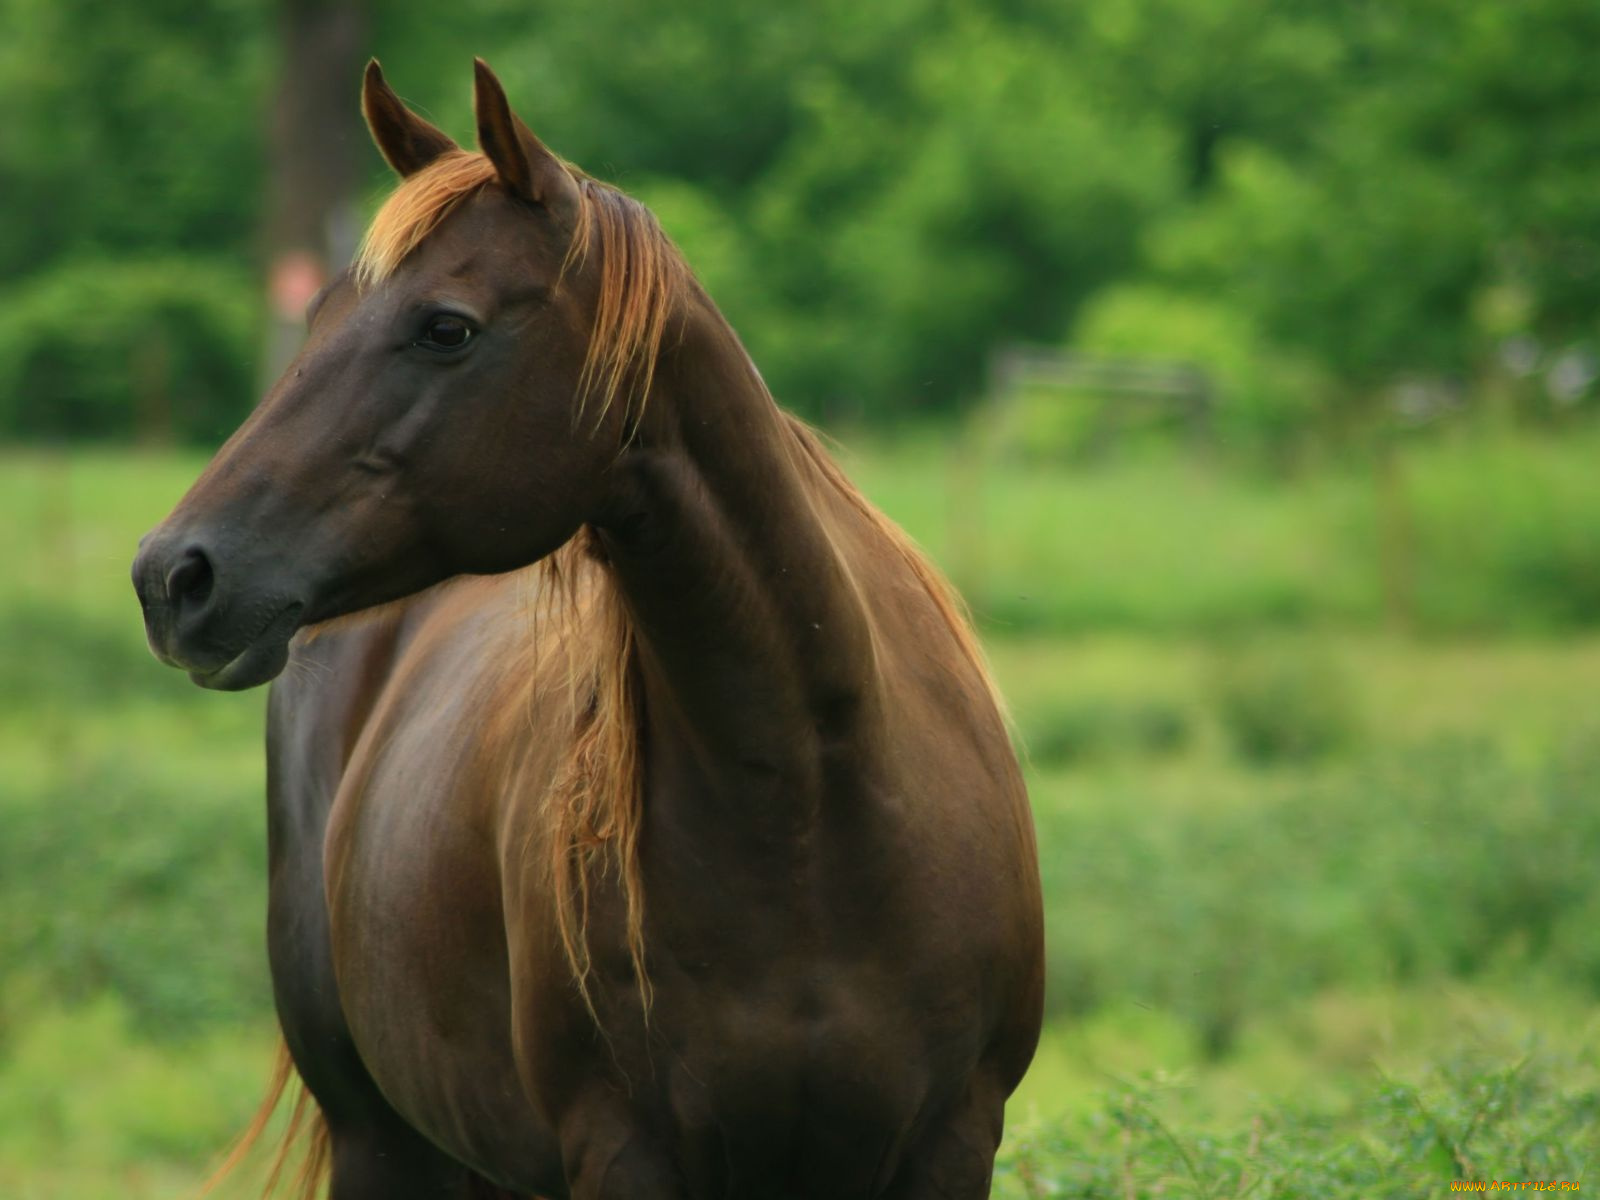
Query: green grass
133	858
1527	1118
1480	535
1321	920
90	1107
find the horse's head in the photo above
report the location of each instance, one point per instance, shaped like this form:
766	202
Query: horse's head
430	426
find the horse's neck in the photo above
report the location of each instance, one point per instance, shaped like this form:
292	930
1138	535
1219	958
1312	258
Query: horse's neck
754	641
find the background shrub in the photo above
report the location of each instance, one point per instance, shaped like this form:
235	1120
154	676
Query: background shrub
1280	700
161	348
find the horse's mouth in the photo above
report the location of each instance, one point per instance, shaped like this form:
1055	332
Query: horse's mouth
261	661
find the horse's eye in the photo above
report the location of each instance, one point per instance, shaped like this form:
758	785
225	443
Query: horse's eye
447	333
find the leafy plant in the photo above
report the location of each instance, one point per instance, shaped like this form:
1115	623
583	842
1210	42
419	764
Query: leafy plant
1281	702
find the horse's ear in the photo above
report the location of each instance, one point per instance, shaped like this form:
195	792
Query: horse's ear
407	141
521	160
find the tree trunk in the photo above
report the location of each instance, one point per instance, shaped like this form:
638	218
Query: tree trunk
316	143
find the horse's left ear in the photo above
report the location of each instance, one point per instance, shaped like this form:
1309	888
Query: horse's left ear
521	160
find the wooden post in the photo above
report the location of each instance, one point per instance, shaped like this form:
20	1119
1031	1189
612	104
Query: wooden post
1396	536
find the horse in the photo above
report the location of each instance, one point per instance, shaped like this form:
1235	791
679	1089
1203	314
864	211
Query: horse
642	819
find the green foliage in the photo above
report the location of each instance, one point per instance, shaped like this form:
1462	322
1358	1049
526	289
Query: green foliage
136	869
1280	703
1440	861
162	348
1532	1118
134	130
1506	535
146	1106
1500	535
1298	254
131	800
1261	396
1155	543
91	1108
1057	734
1313	202
1438	165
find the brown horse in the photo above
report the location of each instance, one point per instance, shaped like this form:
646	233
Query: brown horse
642	821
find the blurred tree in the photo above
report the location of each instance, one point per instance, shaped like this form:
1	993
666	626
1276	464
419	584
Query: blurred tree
879	194
1453	167
130	166
983	204
1509	105
318	146
131	129
1221	73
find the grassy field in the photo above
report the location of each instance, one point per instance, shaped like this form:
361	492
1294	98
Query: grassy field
1319	867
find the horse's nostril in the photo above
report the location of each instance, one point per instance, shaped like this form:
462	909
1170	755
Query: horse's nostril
190	581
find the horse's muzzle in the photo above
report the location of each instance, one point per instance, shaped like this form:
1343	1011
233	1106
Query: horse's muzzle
226	632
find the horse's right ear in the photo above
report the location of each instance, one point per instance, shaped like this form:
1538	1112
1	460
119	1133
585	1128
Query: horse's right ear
523	163
407	141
